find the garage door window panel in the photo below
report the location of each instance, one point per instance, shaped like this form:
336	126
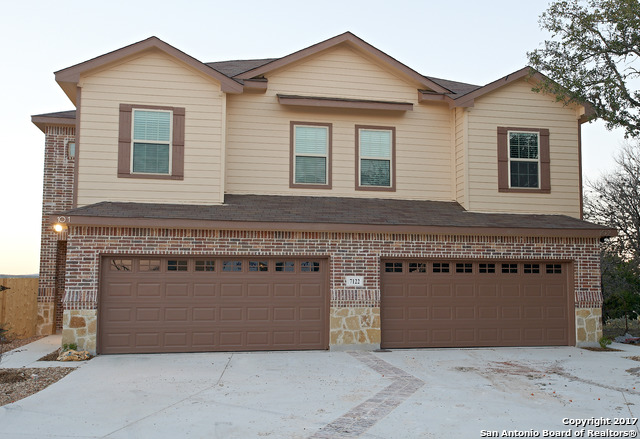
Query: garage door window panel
149	265
231	266
177	265
258	266
205	265
309	267
121	265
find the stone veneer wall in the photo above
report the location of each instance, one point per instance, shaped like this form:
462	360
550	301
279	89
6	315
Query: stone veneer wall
588	326
350	254
57	196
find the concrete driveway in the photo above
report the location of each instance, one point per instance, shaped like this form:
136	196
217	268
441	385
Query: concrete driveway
427	393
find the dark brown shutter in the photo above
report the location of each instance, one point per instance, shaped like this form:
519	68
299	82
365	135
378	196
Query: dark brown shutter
177	168
503	159
124	141
545	161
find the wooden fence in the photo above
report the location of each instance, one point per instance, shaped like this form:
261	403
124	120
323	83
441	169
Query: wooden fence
19	306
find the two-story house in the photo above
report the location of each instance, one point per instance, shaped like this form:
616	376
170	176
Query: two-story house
331	198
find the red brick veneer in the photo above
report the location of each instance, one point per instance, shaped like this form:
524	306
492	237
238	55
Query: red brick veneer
349	254
57	196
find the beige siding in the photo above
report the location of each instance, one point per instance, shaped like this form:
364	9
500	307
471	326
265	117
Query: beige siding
516	105
152	79
258	130
460	157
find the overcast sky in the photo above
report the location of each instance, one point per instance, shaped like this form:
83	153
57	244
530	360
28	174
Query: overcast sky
468	41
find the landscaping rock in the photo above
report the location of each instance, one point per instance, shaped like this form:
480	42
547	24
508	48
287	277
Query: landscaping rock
627	338
72	355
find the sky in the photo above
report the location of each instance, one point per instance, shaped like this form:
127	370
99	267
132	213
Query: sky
468	41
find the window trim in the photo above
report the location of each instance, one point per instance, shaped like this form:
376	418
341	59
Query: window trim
125	143
544	167
392	167
292	155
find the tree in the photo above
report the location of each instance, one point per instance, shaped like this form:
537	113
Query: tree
593	56
621	288
614	200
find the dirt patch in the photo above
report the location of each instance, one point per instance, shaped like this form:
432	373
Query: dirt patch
634	371
53	356
16	384
9	345
634	358
602	349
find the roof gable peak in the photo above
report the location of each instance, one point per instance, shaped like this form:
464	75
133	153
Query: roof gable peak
353	41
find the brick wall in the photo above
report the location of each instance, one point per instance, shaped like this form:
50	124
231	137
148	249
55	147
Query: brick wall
356	254
57	196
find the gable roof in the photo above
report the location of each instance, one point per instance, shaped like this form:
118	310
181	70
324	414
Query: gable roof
353	41
68	78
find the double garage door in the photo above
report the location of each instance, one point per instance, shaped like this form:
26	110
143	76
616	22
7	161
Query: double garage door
473	303
184	304
187	304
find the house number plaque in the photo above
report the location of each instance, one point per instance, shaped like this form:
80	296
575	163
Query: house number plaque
354	281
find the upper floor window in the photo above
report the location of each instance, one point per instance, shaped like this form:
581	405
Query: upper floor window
375	160
310	155
523	160
151	142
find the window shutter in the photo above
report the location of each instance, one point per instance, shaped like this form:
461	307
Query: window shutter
545	161
177	169
503	159
124	141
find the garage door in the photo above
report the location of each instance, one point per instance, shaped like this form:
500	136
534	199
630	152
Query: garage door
471	303
181	304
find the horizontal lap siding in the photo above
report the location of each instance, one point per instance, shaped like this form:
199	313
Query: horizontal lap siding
258	130
151	79
517	106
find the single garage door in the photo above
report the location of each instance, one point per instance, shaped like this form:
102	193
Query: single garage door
188	304
471	303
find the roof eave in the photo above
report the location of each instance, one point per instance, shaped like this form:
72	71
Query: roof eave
43	121
182	223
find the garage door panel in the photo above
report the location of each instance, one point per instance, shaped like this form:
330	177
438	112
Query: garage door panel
204	314
177	290
209	306
474	304
203	340
175	339
510	312
148	314
231	314
119	314
121	289
204	290
284	290
149	290
177	315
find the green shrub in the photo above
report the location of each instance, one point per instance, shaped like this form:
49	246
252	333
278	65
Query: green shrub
70	347
604	342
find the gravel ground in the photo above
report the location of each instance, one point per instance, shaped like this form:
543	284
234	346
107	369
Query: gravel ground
16	384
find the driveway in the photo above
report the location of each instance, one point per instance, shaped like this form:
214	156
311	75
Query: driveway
425	393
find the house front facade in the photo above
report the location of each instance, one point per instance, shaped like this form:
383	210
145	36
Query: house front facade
333	198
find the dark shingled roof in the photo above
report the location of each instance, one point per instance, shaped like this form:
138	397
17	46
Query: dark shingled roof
458	88
332	210
71	114
233	68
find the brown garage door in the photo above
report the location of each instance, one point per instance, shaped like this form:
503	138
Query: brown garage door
464	303
181	304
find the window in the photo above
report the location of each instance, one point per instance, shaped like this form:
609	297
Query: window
258	266
310	155
523	160
307	266
231	265
417	267
464	267
285	266
177	265
509	268
151	142
71	149
554	268
375	160
149	265
440	267
487	268
531	268
121	265
205	265
393	267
